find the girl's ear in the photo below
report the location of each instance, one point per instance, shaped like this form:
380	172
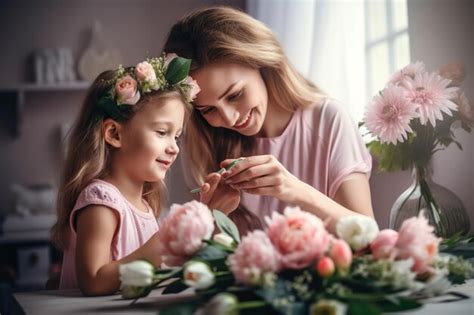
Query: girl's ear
111	132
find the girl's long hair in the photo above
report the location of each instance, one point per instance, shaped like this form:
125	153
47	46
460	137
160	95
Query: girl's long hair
222	34
89	156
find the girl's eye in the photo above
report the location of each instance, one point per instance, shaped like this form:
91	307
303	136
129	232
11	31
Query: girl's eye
161	133
235	96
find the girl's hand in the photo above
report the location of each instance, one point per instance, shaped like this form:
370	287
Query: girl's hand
262	175
218	195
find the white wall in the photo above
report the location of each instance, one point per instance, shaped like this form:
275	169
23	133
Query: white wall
441	31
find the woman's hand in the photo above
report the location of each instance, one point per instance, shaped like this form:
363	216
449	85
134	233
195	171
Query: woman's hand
262	175
218	195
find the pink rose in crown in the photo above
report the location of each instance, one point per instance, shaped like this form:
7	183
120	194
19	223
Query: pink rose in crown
254	257
299	237
145	72
182	232
417	241
195	89
126	91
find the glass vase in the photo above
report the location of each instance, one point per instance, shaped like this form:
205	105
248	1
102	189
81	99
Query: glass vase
443	209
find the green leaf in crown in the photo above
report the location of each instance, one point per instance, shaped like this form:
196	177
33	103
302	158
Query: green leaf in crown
177	70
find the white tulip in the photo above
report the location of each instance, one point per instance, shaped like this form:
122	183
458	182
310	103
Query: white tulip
138	273
224	239
358	231
198	275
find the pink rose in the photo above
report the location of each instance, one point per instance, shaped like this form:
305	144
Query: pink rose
299	237
254	256
341	254
383	246
417	241
195	89
182	231
325	267
168	58
126	91
145	72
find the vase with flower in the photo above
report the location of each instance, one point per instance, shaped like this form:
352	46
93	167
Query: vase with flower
408	122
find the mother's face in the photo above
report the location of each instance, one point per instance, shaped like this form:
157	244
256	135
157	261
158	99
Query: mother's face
232	96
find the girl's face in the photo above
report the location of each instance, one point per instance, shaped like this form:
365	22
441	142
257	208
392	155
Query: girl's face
149	140
232	96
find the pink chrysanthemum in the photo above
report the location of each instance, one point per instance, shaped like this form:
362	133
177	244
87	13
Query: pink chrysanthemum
408	72
388	115
430	92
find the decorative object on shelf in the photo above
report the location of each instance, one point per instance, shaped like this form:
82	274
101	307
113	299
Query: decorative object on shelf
97	57
31	200
295	266
52	66
409	121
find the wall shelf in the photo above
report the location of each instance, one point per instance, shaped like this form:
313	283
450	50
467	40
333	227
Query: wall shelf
12	99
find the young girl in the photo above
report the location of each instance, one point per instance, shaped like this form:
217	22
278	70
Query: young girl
122	144
300	146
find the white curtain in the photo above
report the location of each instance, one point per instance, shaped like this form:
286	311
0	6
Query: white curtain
325	41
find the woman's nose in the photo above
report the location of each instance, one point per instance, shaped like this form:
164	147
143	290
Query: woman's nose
229	116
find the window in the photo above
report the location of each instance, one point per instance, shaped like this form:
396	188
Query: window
387	46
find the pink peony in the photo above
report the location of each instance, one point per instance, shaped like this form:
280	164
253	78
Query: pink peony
145	72
388	116
299	237
383	246
195	89
126	91
430	92
341	254
417	241
182	231
254	256
408	72
325	266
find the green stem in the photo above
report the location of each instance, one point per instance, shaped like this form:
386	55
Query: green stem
251	304
433	206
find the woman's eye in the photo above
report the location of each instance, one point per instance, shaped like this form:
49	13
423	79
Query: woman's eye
235	95
206	110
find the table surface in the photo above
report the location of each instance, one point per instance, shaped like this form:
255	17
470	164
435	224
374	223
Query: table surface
72	302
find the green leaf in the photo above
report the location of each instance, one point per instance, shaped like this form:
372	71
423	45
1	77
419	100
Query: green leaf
210	252
362	308
175	287
226	225
401	304
177	70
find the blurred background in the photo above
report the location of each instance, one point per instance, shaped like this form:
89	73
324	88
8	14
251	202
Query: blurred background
52	49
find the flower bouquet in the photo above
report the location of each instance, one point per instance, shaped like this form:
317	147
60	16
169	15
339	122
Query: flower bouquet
412	118
295	266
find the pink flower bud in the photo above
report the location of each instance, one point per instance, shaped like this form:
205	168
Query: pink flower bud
341	253
383	245
325	267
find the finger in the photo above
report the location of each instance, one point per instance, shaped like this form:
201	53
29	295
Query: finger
261	191
264	181
252	173
249	162
208	188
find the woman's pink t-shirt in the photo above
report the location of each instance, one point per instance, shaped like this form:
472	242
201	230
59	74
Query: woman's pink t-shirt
135	226
321	146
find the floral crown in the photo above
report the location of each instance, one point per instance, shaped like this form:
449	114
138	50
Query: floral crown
155	74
